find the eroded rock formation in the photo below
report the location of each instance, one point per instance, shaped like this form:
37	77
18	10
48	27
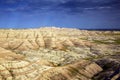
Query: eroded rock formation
58	54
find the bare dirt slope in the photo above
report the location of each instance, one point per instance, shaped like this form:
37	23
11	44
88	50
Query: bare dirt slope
58	54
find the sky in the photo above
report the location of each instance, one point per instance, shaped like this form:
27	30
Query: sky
83	14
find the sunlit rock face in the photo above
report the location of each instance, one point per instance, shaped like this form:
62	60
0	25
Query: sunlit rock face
58	54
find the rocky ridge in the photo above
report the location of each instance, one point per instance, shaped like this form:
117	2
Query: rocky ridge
58	54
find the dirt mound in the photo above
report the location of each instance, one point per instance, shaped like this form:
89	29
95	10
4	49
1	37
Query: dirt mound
9	55
81	70
59	54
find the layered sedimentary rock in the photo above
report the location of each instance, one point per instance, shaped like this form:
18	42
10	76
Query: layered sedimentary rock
25	70
58	54
111	67
81	70
19	68
9	55
51	38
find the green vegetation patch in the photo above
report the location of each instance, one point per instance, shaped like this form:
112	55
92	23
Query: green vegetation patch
94	57
112	34
100	42
117	42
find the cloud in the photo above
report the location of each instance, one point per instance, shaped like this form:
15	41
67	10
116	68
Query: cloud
76	6
68	6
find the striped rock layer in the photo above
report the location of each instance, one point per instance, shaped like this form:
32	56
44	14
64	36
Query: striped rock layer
16	67
43	37
37	66
24	70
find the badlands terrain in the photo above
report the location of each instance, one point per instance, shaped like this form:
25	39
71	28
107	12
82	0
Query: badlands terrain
59	54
